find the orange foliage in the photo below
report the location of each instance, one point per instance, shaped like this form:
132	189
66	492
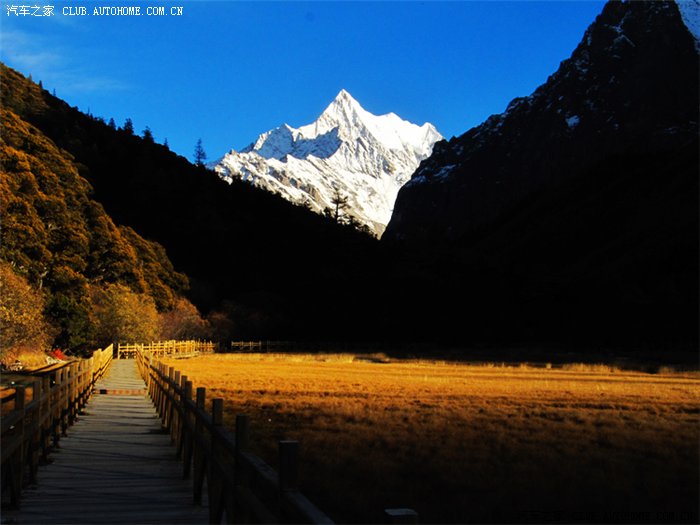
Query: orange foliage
21	315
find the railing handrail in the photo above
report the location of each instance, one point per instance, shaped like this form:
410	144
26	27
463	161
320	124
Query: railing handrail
190	347
33	427
210	451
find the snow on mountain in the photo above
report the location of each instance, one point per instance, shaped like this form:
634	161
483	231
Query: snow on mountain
347	151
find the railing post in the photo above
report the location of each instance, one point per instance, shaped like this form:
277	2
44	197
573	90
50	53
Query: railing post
163	381
214	481
181	417
16	462
46	415
240	473
289	464
168	390
80	387
34	434
174	408
65	399
147	366
55	406
198	455
187	430
242	429
217	411
90	375
74	380
288	474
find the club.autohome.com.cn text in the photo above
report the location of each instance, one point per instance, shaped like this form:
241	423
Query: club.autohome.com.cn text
36	10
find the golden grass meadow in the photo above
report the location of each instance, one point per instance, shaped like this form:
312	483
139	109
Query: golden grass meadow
465	443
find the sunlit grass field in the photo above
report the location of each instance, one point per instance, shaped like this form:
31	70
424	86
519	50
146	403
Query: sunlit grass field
465	443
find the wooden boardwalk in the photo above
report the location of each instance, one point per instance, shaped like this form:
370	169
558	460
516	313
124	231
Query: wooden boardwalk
115	466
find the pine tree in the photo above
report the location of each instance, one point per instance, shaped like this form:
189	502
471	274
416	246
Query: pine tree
340	202
165	143
200	156
112	124
147	134
129	126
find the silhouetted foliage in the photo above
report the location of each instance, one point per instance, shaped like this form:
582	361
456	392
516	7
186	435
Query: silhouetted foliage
129	126
200	156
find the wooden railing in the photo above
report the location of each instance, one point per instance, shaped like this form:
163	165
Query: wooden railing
38	409
306	346
128	351
239	484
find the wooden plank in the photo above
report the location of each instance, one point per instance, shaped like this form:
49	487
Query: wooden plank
118	464
115	466
127	388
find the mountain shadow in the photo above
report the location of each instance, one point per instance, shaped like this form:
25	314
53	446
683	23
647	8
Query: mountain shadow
573	215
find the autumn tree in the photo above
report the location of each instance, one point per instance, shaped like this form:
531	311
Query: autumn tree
182	322
221	327
22	323
124	315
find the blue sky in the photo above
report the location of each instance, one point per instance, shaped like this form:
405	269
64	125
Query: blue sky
227	71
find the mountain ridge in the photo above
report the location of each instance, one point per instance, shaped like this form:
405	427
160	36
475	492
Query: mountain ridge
575	210
585	97
347	152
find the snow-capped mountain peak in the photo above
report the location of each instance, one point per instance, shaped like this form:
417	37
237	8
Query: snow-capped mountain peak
353	120
347	151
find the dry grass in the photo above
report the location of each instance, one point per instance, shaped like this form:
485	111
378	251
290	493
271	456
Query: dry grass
465	443
30	358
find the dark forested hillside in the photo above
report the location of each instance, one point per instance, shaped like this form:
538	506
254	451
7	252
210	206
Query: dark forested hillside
61	240
277	269
574	214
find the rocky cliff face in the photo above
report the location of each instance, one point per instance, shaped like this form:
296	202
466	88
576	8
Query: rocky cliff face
573	215
629	89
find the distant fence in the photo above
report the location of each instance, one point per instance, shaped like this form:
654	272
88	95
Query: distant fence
129	351
307	346
239	484
38	409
